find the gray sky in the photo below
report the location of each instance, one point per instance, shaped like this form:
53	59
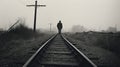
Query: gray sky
93	14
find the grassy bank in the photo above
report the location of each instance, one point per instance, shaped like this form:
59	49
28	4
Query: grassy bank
95	46
18	45
109	41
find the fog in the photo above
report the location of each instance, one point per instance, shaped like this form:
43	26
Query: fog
92	14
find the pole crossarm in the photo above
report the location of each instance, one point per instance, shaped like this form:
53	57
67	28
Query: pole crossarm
37	5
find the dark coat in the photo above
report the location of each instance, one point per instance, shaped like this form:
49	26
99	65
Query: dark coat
59	26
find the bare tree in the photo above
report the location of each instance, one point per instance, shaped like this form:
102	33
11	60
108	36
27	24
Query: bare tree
112	29
78	28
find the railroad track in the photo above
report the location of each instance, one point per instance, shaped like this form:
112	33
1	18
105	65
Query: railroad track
58	52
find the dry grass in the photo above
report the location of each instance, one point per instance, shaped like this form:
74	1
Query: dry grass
109	41
18	45
89	44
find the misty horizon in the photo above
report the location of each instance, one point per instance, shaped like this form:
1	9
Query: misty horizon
93	15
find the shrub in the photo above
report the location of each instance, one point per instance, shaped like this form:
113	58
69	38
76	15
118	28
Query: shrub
19	32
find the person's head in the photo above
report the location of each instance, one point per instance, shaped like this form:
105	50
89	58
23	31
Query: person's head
60	21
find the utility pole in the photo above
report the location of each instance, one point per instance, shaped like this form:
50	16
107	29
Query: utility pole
50	26
116	27
35	14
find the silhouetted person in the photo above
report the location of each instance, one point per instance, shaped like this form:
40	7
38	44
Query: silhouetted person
59	26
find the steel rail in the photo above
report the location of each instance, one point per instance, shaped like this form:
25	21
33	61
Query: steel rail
80	53
84	60
37	52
